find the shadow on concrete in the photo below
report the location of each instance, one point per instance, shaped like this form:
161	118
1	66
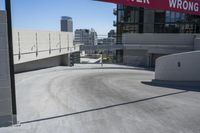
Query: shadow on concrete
186	86
90	68
119	66
101	108
6	121
122	68
106	68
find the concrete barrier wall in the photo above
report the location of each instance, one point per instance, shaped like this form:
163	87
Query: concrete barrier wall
60	60
155	45
179	67
30	45
197	43
6	117
184	40
138	58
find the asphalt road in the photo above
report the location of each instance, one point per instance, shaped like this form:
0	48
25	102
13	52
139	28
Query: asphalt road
112	99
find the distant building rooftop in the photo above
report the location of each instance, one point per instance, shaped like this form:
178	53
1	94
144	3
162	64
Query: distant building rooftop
66	18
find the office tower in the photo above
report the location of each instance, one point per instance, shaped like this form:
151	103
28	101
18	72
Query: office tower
66	24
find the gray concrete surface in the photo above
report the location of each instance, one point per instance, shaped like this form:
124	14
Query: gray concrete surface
136	58
112	99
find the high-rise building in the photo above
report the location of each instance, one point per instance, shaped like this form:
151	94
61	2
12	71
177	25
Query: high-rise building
93	37
109	40
82	36
85	37
133	19
112	33
157	27
66	24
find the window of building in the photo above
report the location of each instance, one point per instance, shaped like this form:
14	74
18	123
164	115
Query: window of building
174	22
130	19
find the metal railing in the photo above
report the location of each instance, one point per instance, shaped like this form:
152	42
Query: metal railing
37	44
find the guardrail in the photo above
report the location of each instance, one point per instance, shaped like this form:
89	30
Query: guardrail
32	45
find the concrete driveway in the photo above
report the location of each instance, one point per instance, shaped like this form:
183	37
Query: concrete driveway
112	99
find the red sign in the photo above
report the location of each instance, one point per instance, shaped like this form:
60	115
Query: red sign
185	6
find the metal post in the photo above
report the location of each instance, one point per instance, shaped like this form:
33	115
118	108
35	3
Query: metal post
19	46
69	59
11	60
68	43
102	58
60	43
49	43
36	44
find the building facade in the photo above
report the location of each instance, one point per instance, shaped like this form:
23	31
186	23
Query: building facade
110	41
86	37
66	24
112	33
149	25
132	19
93	37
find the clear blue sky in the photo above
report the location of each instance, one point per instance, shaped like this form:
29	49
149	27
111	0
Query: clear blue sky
46	14
1	4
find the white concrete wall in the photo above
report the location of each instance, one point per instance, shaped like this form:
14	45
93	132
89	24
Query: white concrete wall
160	40
156	44
61	60
28	47
138	58
6	117
167	68
156	38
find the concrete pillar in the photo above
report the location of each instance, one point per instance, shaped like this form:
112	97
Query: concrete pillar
149	56
197	44
68	59
149	18
6	111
